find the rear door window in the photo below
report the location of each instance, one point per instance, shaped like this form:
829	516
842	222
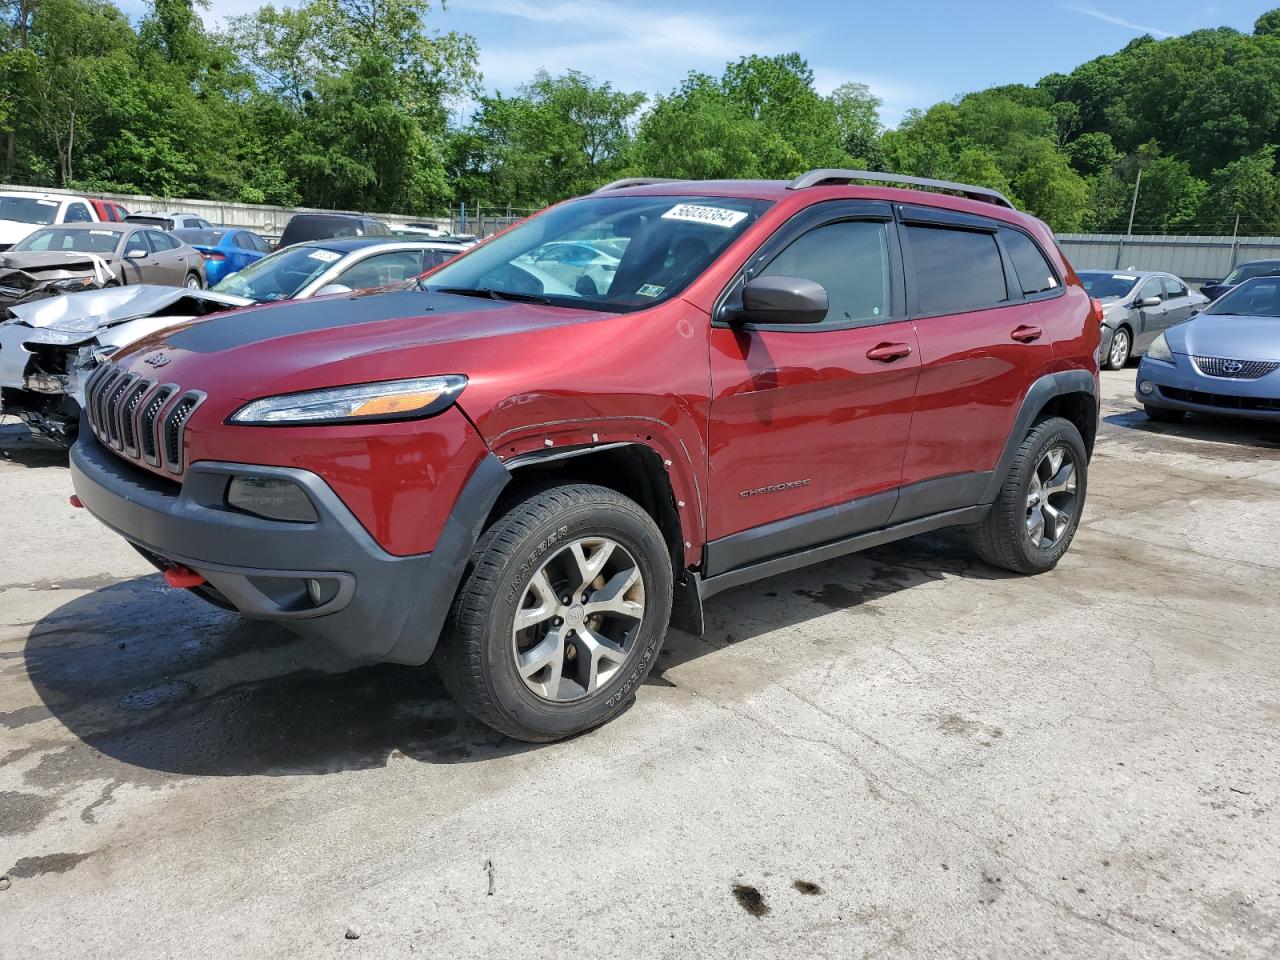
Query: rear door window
1151	288
1029	263
955	270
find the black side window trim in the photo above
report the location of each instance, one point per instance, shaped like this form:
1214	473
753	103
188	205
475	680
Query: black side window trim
812	218
938	217
1011	270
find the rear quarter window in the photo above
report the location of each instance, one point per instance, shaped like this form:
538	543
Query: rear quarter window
955	270
1029	263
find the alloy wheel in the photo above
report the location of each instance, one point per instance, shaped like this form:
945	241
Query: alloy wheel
578	619
1051	497
1119	349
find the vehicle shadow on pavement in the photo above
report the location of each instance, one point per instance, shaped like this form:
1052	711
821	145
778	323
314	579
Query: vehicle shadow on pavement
17	445
1249	433
851	583
157	679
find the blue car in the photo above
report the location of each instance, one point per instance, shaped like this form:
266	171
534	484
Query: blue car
1224	361
226	250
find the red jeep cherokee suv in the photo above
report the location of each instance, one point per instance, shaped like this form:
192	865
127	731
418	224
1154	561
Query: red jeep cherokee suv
575	433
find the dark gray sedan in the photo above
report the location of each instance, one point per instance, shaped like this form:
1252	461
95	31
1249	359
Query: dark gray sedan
1137	306
88	256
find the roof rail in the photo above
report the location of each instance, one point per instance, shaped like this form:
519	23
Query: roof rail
635	182
815	178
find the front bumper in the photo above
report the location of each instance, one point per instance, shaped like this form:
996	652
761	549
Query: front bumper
373	605
1180	386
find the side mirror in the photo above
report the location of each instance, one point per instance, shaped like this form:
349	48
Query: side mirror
329	289
137	253
1149	302
782	300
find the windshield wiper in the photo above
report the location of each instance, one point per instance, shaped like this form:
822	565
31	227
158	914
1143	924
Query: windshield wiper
492	294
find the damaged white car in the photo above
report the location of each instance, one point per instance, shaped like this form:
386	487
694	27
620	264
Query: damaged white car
49	347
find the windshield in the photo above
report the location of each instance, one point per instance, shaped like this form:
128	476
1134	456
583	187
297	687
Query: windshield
604	253
28	209
1104	285
281	275
1259	297
1248	271
77	241
201	238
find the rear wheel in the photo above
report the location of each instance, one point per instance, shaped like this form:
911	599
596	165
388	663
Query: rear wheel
1161	415
194	282
561	614
1121	348
1035	515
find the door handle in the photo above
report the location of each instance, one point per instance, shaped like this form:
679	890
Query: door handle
889	352
1025	334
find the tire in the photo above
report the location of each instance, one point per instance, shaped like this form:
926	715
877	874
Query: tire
537	538
193	282
1120	351
1004	538
1161	415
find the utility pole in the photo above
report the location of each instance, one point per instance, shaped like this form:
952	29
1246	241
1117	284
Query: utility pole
1133	209
1235	242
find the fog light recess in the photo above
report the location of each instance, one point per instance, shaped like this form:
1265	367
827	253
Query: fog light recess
1146	388
271	497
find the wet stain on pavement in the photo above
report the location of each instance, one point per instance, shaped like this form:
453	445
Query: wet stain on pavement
158	696
807	887
22	812
750	899
29	867
24	715
990	889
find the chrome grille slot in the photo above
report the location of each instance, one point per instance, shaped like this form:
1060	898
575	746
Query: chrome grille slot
128	415
174	427
147	423
111	406
1230	369
90	395
99	400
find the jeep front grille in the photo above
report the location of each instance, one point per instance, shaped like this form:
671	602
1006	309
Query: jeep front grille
137	418
1236	369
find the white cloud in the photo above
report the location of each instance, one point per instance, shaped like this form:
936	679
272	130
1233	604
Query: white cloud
1097	14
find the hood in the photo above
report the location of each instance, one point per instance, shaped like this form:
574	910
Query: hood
11	231
1227	335
38	262
346	338
87	311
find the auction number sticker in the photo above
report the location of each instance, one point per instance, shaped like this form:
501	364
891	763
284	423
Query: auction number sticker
324	256
699	213
650	290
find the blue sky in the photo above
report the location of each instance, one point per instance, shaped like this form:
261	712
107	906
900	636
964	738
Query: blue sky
912	53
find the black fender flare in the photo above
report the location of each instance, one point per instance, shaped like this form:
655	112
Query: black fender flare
1040	394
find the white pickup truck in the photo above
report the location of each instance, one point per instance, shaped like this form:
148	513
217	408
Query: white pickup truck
21	211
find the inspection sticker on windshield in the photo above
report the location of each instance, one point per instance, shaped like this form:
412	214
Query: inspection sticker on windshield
1122	276
650	290
103	233
712	216
47	203
324	256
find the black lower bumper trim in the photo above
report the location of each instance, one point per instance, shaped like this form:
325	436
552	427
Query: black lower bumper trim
362	599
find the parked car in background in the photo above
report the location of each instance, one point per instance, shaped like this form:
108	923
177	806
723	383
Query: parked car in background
48	350
1137	305
336	266
1245	271
108	211
225	249
168	220
304	227
544	482
21	211
73	257
1225	361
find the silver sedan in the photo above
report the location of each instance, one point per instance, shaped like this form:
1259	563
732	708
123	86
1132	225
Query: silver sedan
1137	306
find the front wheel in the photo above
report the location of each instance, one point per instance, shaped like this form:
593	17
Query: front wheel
1037	511
1121	348
561	614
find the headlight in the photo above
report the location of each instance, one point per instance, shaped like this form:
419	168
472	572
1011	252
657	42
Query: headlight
1159	350
368	402
70	286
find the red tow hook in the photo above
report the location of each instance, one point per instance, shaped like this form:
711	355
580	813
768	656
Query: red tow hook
180	576
75	502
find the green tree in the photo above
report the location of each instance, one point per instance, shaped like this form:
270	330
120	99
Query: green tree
857	116
1247	187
